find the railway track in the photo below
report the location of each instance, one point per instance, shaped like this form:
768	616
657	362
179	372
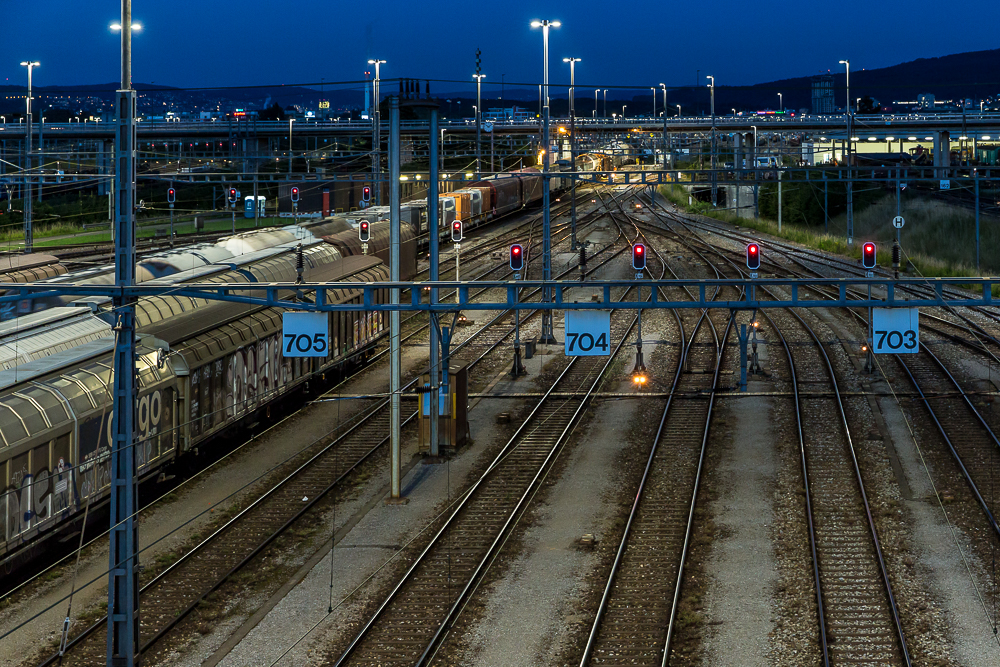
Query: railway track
859	621
971	441
858	616
409	626
634	621
168	598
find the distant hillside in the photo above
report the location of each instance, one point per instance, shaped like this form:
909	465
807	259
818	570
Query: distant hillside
974	75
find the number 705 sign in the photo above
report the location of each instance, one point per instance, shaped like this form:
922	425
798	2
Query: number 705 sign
895	330
305	334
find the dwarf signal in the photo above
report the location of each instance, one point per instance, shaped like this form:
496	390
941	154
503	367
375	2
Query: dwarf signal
456	231
639	256
516	257
364	232
232	195
366	193
753	256
295	195
171	195
868	255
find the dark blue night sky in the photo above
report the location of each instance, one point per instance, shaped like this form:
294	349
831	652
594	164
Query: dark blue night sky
189	43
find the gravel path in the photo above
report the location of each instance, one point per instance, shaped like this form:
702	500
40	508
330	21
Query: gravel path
543	582
940	561
742	568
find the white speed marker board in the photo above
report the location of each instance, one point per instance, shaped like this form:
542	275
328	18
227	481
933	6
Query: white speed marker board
305	334
895	330
588	333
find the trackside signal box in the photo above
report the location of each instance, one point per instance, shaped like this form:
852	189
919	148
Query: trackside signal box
453	411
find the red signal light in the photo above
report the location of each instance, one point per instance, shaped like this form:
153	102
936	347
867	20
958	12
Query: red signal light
753	256
868	255
364	233
516	257
639	256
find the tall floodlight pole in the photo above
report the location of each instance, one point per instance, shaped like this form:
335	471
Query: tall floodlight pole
29	237
653	115
605	102
479	124
664	139
546	335
847	158
715	185
572	146
290	121
123	570
596	91
376	132
781	102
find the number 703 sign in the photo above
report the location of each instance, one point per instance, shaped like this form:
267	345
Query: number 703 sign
895	330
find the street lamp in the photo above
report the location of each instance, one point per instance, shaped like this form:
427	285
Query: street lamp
572	85
596	90
290	121
545	25
654	101
847	63
847	155
546	335
624	106
734	111
678	110
479	115
664	114
572	145
605	102
781	103
715	191
28	235
376	130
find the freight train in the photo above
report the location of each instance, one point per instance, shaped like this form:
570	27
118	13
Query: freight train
203	368
474	204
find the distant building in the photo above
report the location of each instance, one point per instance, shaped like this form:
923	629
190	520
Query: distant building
925	101
511	114
822	94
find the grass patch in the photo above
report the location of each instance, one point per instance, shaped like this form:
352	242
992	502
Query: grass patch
938	239
62	234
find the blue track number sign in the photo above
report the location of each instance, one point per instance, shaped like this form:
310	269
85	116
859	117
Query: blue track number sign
305	335
896	330
588	333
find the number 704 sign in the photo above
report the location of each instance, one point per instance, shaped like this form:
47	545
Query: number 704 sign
895	330
588	333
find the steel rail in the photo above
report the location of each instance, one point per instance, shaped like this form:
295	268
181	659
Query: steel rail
212	538
623	544
516	511
216	534
857	471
